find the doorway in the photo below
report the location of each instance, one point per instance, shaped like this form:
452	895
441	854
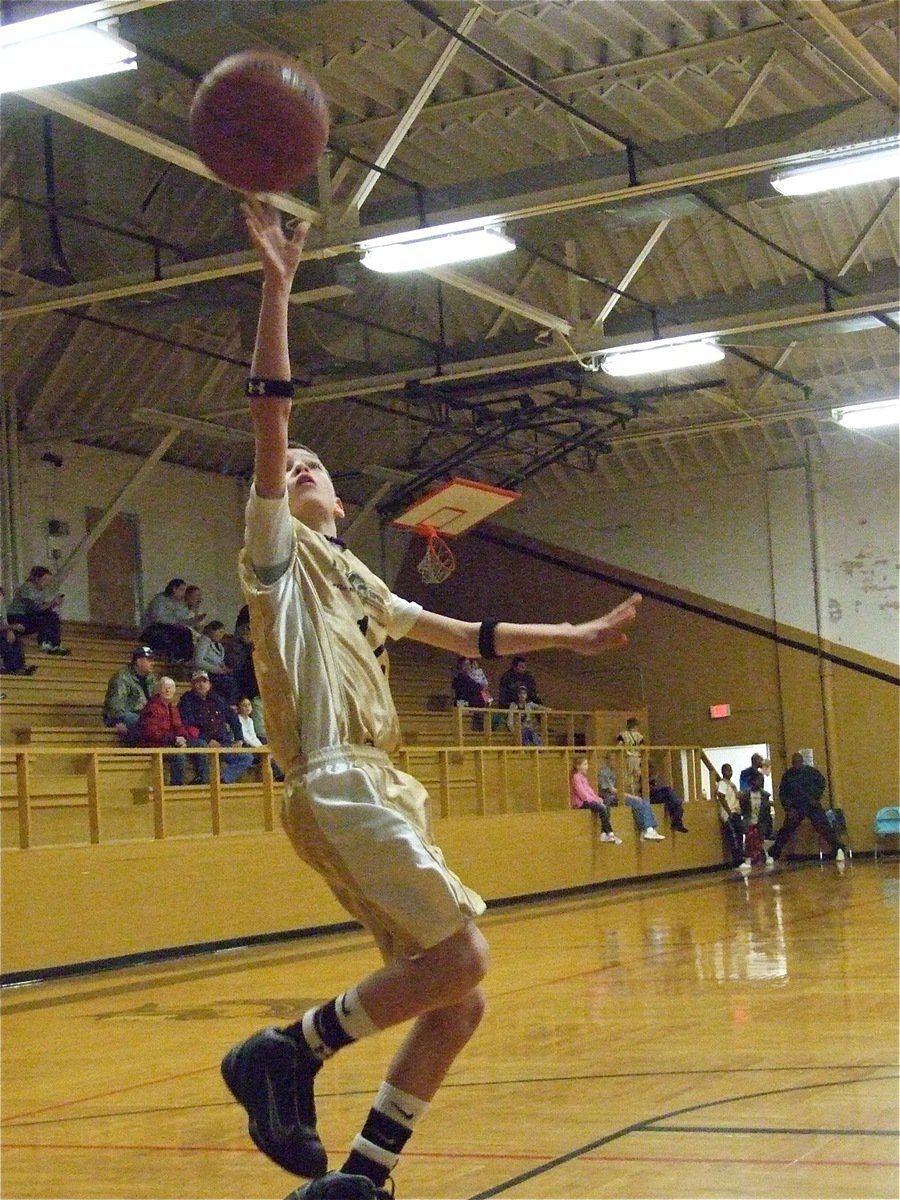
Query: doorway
113	568
738	756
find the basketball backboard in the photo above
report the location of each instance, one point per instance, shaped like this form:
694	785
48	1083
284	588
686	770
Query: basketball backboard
456	506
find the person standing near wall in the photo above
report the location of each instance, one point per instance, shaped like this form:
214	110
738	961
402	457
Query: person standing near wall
631	738
800	792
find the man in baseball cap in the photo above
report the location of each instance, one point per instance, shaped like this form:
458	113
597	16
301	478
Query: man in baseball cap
128	691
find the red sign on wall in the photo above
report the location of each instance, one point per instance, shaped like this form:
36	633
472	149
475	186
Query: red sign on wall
717	711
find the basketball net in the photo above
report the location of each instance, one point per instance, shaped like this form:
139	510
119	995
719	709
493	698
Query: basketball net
438	562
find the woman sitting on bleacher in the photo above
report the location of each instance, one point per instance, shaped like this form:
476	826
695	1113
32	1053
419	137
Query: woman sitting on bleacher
167	623
209	656
159	724
36	612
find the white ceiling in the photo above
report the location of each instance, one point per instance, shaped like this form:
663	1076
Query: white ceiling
627	144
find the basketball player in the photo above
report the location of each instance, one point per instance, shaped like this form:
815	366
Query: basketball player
320	620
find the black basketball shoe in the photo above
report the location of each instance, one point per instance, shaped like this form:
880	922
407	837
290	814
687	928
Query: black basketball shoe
337	1185
272	1077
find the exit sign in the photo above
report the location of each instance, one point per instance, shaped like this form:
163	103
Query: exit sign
717	711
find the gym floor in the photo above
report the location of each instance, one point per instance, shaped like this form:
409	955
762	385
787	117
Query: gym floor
709	1036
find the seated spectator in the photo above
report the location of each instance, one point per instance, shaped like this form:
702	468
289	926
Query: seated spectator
756	808
239	657
471	688
643	813
582	795
167	623
193	598
12	652
159	724
33	611
522	710
511	681
730	813
209	656
249	736
207	716
661	793
128	691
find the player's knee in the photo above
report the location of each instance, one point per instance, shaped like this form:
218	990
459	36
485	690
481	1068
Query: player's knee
473	957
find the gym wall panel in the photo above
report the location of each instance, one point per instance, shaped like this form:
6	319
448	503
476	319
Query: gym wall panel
66	905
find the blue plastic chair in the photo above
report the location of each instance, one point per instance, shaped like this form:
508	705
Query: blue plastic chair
887	822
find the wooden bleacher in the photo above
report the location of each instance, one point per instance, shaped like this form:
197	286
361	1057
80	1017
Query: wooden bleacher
65	778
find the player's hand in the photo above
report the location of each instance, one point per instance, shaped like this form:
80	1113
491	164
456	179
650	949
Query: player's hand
609	632
280	251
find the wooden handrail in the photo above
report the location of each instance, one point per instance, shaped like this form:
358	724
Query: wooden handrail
485	770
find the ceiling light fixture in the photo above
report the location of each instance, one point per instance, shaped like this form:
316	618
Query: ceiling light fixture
651	359
435	247
868	416
62	57
866	163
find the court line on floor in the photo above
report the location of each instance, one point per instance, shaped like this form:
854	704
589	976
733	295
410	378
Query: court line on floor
791	1129
21	1120
444	1156
641	1126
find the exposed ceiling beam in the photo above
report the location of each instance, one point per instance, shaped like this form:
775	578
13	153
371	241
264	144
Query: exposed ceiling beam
597	193
151	143
408	118
475	287
476	368
733	48
881	82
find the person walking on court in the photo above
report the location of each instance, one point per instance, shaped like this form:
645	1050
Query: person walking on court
320	620
800	792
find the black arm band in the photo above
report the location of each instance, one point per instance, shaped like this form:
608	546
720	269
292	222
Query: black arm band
282	388
487	646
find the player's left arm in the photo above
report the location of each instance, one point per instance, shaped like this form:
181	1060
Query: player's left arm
280	253
609	632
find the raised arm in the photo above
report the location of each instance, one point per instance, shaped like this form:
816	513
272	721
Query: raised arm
608	632
280	254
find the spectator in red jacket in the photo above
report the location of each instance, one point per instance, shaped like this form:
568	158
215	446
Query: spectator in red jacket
159	723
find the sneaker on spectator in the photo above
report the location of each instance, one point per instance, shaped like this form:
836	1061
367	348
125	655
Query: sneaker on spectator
653	835
770	861
746	867
839	855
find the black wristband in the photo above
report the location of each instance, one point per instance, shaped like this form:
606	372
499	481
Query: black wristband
487	646
282	388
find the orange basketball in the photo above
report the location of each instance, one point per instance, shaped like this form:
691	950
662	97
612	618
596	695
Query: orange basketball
259	121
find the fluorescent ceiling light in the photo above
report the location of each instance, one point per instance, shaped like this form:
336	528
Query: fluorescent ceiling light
62	57
844	168
655	359
427	248
868	416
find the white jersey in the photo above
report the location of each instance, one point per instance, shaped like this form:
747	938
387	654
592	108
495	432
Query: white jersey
320	620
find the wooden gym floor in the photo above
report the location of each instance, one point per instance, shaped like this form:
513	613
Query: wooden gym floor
707	1036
